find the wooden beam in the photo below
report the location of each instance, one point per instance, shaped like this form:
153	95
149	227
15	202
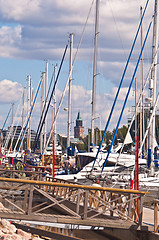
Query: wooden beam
78	201
52	199
155	216
31	217
85	204
25	200
30	199
7	200
97	222
124	191
140	204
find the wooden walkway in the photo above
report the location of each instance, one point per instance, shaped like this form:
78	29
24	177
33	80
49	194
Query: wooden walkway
46	199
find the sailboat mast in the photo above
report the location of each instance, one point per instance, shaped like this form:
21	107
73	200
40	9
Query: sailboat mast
136	142
22	113
29	106
141	86
23	108
46	88
94	70
12	127
154	80
42	105
54	98
69	93
12	112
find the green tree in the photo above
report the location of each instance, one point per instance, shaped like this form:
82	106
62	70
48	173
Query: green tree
121	134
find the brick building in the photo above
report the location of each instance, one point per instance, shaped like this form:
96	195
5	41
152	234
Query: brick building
79	129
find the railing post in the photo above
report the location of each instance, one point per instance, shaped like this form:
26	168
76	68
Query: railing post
30	199
25	199
120	201
78	201
130	206
41	178
155	216
140	204
85	204
111	198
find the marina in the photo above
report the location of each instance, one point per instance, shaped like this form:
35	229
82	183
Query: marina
103	185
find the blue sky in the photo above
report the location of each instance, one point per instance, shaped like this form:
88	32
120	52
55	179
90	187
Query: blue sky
33	31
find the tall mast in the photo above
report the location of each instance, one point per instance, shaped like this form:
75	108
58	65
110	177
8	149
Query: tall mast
12	127
29	106
23	113
42	105
46	86
54	98
12	112
94	70
141	87
154	79
69	94
23	108
136	142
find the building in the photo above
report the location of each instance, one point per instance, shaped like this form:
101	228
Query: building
79	129
14	132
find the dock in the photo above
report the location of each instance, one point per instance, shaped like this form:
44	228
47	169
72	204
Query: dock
109	211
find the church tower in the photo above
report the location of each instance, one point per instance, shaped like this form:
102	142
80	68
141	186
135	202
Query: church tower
79	129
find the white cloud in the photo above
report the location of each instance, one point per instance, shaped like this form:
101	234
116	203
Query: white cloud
10	40
44	26
122	94
10	35
37	29
18	9
10	92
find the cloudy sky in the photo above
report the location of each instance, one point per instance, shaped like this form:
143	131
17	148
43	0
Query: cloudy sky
32	31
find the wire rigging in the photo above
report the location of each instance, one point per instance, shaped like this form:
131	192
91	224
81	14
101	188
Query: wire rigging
125	69
127	95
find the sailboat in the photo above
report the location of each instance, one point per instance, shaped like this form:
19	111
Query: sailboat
150	177
110	156
102	160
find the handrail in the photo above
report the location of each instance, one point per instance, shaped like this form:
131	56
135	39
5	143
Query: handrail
86	187
89	202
